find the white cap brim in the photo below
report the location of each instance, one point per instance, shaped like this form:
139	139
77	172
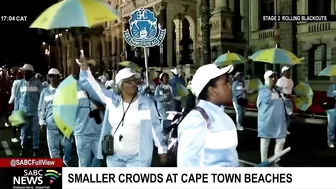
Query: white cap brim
285	68
174	71
220	72
268	73
125	76
26	69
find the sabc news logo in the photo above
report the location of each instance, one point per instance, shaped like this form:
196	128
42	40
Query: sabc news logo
36	177
53	175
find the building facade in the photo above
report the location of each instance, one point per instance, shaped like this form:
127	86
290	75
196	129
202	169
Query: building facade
313	41
181	48
237	26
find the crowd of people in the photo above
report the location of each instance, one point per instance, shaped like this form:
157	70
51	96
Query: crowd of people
118	118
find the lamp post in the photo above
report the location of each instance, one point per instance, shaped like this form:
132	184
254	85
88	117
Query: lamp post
214	52
47	52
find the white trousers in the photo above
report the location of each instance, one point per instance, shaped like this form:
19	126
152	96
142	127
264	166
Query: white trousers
264	145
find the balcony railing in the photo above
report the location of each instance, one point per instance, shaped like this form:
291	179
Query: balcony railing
265	34
313	27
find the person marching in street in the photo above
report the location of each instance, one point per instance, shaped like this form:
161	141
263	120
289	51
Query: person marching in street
164	96
239	99
47	121
131	121
28	95
272	116
331	117
173	83
207	136
286	84
18	75
88	126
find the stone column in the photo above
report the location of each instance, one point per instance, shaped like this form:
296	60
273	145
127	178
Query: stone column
59	54
192	29
221	4
120	49
254	12
63	54
80	43
161	12
104	51
178	33
212	5
95	43
286	31
71	54
108	50
169	27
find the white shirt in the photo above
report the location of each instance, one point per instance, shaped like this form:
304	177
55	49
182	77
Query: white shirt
286	85
129	129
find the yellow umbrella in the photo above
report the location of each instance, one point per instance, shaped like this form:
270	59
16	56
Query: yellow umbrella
275	56
75	13
253	87
328	71
304	96
229	59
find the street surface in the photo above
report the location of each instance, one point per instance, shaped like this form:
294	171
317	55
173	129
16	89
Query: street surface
308	144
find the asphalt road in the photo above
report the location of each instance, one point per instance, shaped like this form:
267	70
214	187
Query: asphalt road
308	144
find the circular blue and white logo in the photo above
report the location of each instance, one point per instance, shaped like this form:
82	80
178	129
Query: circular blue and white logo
144	31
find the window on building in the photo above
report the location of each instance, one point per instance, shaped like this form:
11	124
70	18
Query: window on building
319	8
319	58
266	9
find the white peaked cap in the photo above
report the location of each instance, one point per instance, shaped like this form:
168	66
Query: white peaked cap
54	71
27	67
174	71
268	73
126	73
285	68
204	74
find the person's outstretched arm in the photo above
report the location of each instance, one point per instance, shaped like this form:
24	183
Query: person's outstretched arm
88	83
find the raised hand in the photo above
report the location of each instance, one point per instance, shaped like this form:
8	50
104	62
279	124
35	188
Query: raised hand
82	62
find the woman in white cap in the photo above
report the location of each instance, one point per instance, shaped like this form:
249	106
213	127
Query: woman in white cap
164	96
47	121
272	116
239	99
131	121
207	137
286	84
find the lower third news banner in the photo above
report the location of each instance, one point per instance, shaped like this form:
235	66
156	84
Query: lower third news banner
30	173
195	178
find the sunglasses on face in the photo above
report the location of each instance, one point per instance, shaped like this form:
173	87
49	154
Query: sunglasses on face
131	80
53	76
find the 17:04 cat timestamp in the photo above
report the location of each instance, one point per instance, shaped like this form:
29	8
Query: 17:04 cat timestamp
13	18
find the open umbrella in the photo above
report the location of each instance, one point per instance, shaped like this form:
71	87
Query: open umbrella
328	71
181	90
229	59
304	96
253	87
65	105
75	13
275	56
132	65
